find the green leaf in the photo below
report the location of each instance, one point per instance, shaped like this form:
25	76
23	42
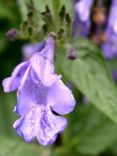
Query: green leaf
69	7
5	12
3	42
113	148
90	74
13	147
7	116
113	63
89	131
23	9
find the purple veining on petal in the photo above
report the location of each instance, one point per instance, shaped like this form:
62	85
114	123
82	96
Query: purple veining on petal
81	22
40	91
40	123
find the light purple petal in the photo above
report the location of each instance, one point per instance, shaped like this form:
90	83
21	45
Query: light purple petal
109	47
13	82
51	125
82	8
40	123
42	64
44	69
112	23
29	49
32	93
81	23
61	99
25	127
48	50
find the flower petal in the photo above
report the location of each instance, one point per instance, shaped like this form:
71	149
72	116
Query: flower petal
51	125
48	50
42	64
61	99
44	69
25	127
40	123
112	22
32	92
29	49
109	47
12	83
81	23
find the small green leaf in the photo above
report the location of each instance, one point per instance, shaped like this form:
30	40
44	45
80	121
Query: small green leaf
69	7
60	33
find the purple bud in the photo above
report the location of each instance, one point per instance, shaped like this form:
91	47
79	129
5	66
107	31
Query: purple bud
72	54
12	34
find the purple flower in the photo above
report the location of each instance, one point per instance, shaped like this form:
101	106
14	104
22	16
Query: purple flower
41	92
81	22
109	48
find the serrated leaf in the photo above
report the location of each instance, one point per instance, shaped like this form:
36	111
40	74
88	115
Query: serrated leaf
90	74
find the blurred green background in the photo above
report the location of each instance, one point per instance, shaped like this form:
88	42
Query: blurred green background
92	128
